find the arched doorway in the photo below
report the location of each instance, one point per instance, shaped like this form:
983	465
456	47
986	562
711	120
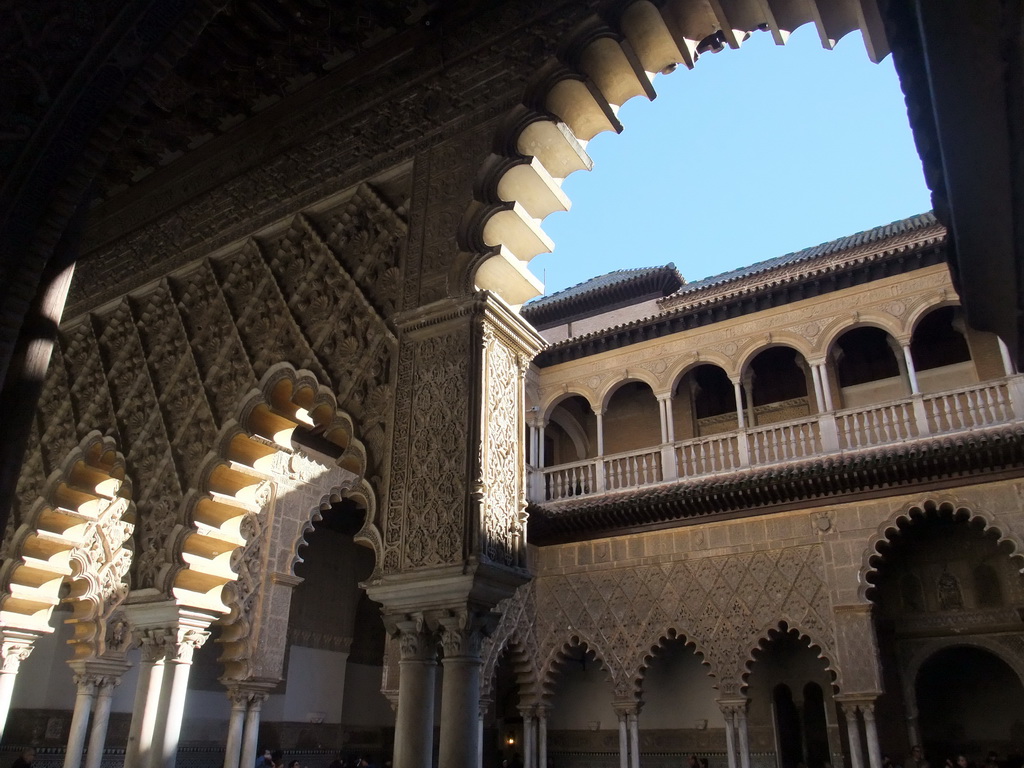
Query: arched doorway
792	713
969	701
945	587
582	721
680	713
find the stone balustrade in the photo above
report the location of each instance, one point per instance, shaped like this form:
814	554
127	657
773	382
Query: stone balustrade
981	405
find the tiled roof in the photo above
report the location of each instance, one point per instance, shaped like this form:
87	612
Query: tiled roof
606	289
867	237
594	284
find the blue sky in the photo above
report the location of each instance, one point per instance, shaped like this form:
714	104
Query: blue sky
752	154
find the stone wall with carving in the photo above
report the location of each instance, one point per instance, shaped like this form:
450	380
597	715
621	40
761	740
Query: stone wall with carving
723	587
165	368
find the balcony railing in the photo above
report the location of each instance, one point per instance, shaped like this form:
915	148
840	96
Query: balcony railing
980	405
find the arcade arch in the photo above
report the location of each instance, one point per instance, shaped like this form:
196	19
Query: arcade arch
792	712
944	577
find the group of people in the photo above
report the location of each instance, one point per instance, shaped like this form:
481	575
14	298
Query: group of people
916	759
275	759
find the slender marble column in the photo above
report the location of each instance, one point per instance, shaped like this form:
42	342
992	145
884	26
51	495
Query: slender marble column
730	735
826	387
853	732
600	433
414	721
175	688
147	699
871	731
542	737
100	721
236	725
251	733
1008	367
818	394
634	740
80	719
911	371
460	691
529	746
15	647
623	742
741	720
740	414
485	704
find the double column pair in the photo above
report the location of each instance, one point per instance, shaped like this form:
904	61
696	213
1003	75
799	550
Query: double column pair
169	636
458	638
737	733
535	736
95	680
857	711
629	734
244	725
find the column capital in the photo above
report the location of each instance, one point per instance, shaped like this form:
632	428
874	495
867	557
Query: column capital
626	707
462	633
416	642
15	646
734	705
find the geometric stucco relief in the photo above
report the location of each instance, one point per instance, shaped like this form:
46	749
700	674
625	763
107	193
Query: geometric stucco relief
163	369
723	605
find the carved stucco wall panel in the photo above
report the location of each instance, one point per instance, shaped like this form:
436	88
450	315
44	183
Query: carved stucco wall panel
724	605
165	368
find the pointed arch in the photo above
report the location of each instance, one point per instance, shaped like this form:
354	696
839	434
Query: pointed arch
874	554
78	531
288	454
604	62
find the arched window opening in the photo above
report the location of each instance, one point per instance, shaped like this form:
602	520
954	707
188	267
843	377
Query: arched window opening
938	342
631	420
969	701
868	368
942	356
571	433
987	588
704	403
777	380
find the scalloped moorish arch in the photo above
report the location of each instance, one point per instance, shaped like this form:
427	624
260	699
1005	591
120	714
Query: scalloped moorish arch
668	637
559	657
780	630
289	431
607	61
874	553
79	532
